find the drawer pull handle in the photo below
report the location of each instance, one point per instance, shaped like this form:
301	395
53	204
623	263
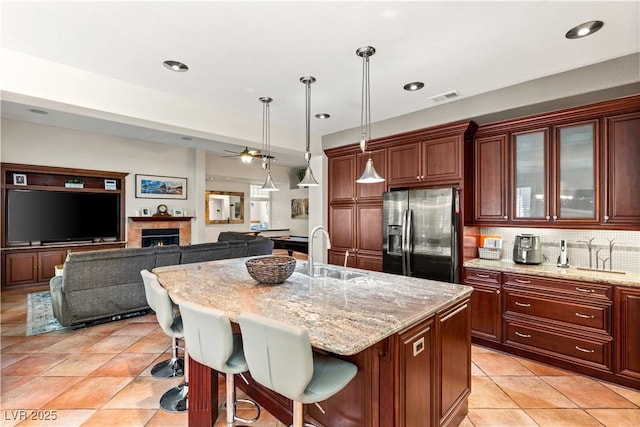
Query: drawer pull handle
523	281
585	316
584	350
589	291
521	304
483	276
523	335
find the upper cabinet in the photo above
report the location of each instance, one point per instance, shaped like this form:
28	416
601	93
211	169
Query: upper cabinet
573	168
430	162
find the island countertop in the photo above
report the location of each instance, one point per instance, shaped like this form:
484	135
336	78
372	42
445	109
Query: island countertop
342	317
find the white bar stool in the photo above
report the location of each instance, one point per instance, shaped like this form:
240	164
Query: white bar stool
280	358
211	342
173	367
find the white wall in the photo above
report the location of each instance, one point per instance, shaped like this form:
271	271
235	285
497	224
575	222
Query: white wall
52	146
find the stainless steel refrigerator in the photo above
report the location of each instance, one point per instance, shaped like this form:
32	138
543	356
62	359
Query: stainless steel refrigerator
420	233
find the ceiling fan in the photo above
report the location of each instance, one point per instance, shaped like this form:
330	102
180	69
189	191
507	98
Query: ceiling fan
246	155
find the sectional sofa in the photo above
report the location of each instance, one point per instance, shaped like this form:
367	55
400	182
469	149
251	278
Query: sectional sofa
106	285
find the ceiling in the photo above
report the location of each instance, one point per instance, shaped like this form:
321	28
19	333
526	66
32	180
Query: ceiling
239	51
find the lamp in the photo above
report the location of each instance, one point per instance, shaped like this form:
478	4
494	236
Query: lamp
308	180
245	156
268	185
369	176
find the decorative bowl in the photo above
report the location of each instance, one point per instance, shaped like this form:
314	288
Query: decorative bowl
271	270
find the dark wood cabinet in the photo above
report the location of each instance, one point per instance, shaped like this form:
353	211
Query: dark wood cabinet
370	192
25	265
492	179
342	178
486	307
622	174
570	168
431	162
627	333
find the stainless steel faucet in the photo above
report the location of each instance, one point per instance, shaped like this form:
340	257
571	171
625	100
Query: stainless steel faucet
313	235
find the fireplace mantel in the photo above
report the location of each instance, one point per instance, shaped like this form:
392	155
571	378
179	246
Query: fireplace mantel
139	223
160	218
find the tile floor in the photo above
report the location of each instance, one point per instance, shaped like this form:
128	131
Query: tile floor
100	376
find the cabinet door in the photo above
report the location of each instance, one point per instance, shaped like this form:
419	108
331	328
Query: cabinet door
21	268
342	229
454	335
627	334
486	320
530	190
369	228
622	156
47	262
337	257
491	174
371	192
441	160
368	262
404	164
342	179
576	189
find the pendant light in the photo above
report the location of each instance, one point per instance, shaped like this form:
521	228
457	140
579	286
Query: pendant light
268	185
369	176
308	180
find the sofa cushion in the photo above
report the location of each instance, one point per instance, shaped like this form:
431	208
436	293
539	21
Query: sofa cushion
167	255
227	236
259	246
204	252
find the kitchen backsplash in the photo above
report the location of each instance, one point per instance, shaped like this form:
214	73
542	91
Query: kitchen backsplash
625	255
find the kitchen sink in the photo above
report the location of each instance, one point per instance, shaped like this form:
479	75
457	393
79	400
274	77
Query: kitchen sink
322	271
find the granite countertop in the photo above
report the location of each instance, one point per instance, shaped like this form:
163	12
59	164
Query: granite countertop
551	270
342	317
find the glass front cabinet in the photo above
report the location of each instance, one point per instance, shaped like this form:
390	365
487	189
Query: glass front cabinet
555	174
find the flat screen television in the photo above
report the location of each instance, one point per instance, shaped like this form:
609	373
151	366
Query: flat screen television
59	216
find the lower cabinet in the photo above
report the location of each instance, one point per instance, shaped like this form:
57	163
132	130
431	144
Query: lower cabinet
30	268
566	323
628	333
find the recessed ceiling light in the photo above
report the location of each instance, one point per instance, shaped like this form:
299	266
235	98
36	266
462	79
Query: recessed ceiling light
413	86
36	111
322	116
176	66
584	30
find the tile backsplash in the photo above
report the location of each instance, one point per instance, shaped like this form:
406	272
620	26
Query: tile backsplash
625	254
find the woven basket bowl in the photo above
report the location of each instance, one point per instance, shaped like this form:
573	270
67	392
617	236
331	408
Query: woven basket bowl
271	270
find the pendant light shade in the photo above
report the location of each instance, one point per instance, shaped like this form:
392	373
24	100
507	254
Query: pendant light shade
308	180
369	176
268	185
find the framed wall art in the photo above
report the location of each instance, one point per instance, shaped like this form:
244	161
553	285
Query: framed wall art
160	187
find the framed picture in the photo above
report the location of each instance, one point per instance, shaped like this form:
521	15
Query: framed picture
19	179
160	187
145	212
299	208
110	184
178	212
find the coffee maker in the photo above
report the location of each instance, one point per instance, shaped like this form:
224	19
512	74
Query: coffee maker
527	249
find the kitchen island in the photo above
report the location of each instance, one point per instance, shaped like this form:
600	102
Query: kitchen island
410	339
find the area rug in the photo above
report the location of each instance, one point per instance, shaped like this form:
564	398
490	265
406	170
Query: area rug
40	318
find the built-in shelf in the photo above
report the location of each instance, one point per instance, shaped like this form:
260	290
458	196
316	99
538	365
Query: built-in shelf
160	218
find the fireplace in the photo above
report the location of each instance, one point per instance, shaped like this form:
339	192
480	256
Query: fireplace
158	226
160	237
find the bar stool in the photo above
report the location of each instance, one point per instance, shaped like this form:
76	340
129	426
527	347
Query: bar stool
173	367
211	342
280	358
175	399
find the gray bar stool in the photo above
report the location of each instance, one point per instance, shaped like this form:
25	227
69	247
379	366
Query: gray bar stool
175	399
280	358
173	367
211	342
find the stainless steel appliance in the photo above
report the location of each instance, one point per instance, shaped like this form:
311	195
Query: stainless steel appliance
420	233
527	249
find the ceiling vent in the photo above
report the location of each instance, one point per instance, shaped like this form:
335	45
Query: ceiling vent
445	96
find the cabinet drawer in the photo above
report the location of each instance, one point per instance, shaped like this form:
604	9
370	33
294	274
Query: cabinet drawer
576	313
559	286
481	276
560	343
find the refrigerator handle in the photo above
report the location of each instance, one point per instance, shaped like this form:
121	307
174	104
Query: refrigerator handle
407	242
404	243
